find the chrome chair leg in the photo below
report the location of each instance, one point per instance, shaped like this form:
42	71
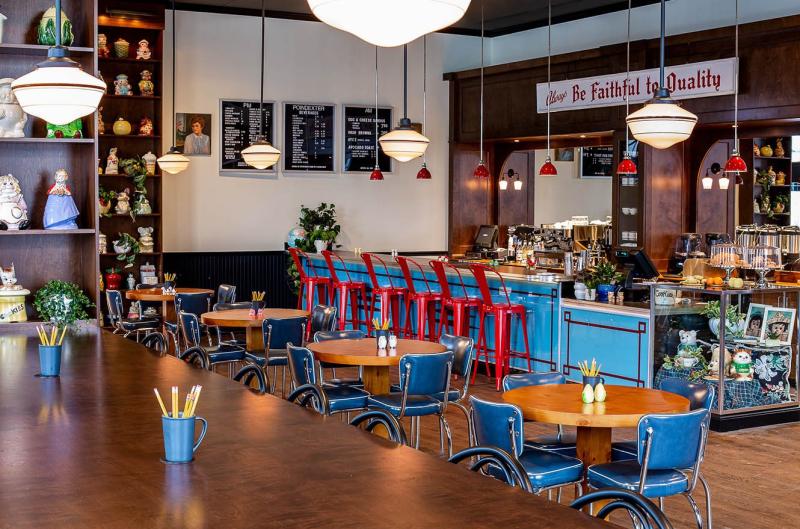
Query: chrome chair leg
558	495
419	424
697	516
448	433
707	491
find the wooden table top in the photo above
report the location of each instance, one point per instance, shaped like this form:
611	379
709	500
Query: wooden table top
241	317
83	450
365	352
624	406
156	294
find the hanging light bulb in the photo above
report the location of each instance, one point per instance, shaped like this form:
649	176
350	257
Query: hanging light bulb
735	164
389	23
261	154
517	183
661	123
724	182
174	161
708	182
404	143
424	173
481	171
548	169
503	183
627	166
376	173
58	90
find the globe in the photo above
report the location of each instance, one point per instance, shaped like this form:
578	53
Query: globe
294	234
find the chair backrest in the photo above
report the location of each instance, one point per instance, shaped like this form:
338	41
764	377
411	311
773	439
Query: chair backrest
496	462
675	440
114	304
155	340
329	257
190	328
368	259
375	417
278	333
463	354
699	395
297	256
646	513
301	365
480	271
354	334
532	379
226	293
195	303
405	266
323	318
497	424
441	277
426	374
233	306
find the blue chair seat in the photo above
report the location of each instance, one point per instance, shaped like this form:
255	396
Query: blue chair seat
346	398
139	324
546	469
276	358
624	451
416	405
625	474
224	353
352	382
550	443
454	394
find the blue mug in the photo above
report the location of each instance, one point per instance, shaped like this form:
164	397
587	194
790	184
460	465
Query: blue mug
49	360
593	381
179	443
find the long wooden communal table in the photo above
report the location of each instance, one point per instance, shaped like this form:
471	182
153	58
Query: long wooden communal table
83	451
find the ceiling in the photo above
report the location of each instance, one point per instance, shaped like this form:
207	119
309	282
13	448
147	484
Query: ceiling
502	16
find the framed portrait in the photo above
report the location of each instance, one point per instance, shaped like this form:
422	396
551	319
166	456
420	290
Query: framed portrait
754	325
779	320
193	134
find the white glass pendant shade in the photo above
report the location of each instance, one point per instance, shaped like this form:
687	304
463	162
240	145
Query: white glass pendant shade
724	183
404	143
261	155
503	184
708	182
389	23
661	123
517	185
58	91
173	162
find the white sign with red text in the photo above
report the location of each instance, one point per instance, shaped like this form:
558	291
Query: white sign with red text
700	79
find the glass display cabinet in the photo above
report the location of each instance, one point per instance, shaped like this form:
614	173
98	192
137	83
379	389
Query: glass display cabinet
743	342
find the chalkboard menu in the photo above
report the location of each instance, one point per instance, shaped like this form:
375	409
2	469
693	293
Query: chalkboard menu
597	162
359	138
241	126
308	131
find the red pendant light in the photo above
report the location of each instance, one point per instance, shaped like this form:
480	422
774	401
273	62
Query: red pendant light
376	173
424	173
627	166
481	171
735	164
548	169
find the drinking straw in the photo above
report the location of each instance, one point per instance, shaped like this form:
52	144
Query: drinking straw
175	402
161	403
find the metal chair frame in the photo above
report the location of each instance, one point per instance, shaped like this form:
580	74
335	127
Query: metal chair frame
192	338
116	320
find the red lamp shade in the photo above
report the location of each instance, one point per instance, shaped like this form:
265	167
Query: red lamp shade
423	173
627	166
548	169
735	163
376	174
481	171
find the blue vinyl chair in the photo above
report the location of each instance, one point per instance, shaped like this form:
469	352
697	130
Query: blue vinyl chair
644	513
668	461
331	399
559	443
324	336
216	355
425	383
125	325
195	304
500	425
278	334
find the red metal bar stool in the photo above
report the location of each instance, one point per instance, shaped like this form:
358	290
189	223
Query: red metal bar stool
388	296
349	291
503	311
459	306
309	283
425	300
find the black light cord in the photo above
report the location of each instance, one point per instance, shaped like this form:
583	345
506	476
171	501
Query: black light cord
261	104
174	69
405	81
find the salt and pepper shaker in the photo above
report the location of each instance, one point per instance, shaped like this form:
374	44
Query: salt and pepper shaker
382	342
392	341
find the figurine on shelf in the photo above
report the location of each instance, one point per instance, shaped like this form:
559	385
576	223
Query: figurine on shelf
121	48
121	86
8	275
142	206
772	175
112	162
102	46
756	150
766	151
101	126
72	130
143	51
102	243
12	117
779	152
12	297
146	127
123	206
13	209
131	281
150	163
46	31
60	211
122	127
742	366
146	86
780	178
146	243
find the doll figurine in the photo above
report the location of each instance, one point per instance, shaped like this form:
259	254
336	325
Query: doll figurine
146	127
146	86
112	162
121	86
143	51
60	211
102	46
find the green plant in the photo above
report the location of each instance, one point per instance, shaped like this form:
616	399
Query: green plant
732	314
105	197
132	246
136	169
605	273
61	303
318	224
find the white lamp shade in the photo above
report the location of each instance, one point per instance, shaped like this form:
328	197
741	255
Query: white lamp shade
503	184
58	95
708	182
724	183
173	162
404	144
661	124
261	155
389	23
517	185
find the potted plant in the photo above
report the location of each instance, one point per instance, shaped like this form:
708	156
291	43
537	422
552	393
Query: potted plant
61	303
734	320
605	275
104	198
318	224
127	248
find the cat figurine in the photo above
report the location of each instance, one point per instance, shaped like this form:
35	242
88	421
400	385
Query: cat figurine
8	276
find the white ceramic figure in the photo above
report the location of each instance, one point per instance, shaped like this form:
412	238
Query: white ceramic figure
123	206
742	365
102	243
13	209
150	163
12	117
112	162
9	278
131	282
146	243
143	51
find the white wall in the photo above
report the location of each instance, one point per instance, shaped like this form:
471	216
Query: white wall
306	62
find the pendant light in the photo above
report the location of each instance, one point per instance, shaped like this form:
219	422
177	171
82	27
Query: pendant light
389	23
735	164
261	154
548	169
376	171
174	161
58	90
481	171
627	166
424	173
662	123
404	143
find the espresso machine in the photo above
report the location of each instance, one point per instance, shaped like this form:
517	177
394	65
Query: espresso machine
594	238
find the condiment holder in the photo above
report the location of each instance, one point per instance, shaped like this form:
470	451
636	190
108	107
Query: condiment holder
178	427
593	385
382	332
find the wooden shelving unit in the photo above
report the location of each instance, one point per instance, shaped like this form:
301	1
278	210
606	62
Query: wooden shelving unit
759	164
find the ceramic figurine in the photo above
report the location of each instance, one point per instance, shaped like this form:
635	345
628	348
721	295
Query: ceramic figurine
146	243
146	86
146	127
102	46
73	130
8	275
102	243
766	151
142	206
13	209
101	126
131	281
742	366
121	86
150	163
143	51
46	31
779	152
112	162
772	175
756	207
12	297
60	211
756	150
12	117
123	206
780	178
122	127
121	48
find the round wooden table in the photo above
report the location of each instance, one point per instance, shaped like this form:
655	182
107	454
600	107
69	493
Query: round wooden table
167	300
375	364
240	318
624	406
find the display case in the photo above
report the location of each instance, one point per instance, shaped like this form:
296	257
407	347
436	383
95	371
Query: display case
755	377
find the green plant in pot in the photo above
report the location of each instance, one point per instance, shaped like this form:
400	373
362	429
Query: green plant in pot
127	248
734	320
604	276
61	303
321	231
104	199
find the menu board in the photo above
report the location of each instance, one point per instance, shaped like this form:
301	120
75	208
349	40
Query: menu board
241	127
597	162
308	131
359	138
